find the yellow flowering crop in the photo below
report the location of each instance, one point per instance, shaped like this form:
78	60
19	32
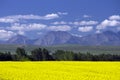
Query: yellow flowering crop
59	70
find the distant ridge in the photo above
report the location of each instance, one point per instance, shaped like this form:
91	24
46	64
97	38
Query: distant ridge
63	37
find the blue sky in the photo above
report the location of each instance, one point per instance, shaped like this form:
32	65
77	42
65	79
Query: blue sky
33	18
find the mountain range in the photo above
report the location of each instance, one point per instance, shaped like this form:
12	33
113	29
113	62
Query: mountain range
62	37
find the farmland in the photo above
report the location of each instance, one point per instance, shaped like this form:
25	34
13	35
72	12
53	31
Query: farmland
74	48
59	70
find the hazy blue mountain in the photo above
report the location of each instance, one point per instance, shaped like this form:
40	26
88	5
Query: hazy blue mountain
105	38
19	39
62	37
54	37
2	42
118	34
37	41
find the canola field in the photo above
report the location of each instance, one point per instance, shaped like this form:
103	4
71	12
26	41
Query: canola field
59	70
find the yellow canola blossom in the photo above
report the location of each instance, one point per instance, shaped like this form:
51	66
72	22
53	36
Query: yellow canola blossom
69	70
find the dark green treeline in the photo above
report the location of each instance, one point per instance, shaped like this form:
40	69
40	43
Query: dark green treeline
42	54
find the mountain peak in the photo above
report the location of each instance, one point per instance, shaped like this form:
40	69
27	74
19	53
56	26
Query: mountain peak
55	37
63	37
18	39
58	32
109	32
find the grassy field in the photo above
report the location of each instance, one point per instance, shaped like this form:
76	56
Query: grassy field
60	70
75	48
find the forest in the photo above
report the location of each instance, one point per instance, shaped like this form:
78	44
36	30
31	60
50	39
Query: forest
42	54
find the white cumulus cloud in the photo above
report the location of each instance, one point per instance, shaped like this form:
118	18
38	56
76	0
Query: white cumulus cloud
50	16
86	16
27	27
77	35
21	33
7	20
108	23
98	31
62	13
17	18
88	22
114	17
58	23
85	29
60	28
85	23
5	35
